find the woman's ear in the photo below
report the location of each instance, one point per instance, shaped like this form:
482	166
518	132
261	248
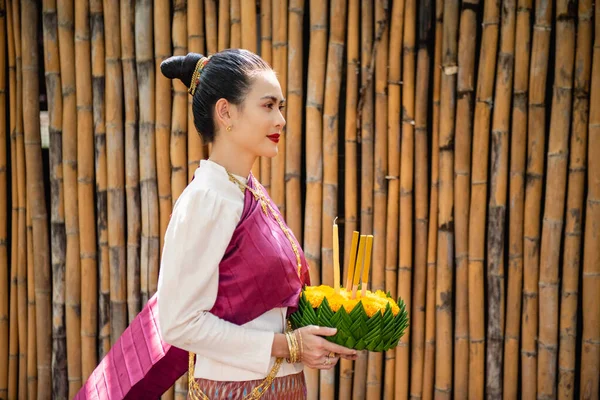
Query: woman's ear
222	113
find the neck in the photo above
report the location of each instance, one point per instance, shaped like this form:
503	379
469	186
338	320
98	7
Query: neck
236	162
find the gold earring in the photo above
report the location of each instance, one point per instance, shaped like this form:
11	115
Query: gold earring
229	128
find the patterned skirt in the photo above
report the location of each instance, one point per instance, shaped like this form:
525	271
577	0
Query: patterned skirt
290	387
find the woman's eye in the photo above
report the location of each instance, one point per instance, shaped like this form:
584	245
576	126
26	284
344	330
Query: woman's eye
270	105
281	107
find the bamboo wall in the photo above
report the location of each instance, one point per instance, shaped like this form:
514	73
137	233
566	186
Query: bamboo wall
463	135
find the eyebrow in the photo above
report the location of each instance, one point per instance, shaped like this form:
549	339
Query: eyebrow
273	98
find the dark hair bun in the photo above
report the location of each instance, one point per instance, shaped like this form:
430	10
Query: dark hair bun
180	67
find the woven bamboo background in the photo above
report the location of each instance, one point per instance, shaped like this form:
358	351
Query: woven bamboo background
462	134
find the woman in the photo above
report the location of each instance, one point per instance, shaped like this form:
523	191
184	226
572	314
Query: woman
231	270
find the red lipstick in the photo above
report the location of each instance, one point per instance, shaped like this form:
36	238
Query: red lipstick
274	137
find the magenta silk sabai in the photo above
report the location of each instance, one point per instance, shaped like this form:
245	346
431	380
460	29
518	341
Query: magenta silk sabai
257	273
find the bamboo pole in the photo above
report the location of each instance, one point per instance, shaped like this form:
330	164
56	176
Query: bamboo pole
477	208
150	241
280	65
162	50
69	152
462	175
295	105
195	31
533	194
115	144
517	197
393	172
350	166
429	359
4	268
224	23
365	120
57	216
21	253
180	97
235	23
556	185
85	178
35	190
590	338
313	211
266	52
567	366
405	270
497	202
424	21
332	87
132	170
13	335
445	251
375	359
32	380
98	89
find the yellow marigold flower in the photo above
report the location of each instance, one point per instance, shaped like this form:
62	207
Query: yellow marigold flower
373	302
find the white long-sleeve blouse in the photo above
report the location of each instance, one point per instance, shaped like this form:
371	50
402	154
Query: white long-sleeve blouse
201	227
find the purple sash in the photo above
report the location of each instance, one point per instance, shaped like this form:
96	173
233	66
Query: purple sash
257	273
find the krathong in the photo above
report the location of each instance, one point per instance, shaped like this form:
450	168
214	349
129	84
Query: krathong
365	320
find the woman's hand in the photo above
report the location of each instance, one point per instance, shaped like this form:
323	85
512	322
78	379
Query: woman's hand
318	352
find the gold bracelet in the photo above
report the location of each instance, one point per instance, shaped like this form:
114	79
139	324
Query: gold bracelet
301	346
293	348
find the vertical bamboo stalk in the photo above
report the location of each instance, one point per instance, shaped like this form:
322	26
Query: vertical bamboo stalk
32	380
477	209
69	150
13	335
332	87
280	65
497	202
235	23
314	150
85	178
35	190
365	119
421	196
375	359
429	361
350	166
115	144
517	197
266	52
21	253
98	89
556	185
195	31
57	215
4	269
249	42
162	50
132	171
533	194
149	255
567	367
407	158
445	250
179	116
590	338
293	140
224	24
462	174
210	14
393	171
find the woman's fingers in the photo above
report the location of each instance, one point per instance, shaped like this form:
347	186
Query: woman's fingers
341	350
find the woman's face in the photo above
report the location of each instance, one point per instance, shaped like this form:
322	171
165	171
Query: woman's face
257	123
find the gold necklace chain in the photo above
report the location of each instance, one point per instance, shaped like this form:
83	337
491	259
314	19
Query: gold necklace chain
194	389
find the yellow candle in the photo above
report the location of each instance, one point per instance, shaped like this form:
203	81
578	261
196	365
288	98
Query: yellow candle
368	252
352	260
359	261
336	258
